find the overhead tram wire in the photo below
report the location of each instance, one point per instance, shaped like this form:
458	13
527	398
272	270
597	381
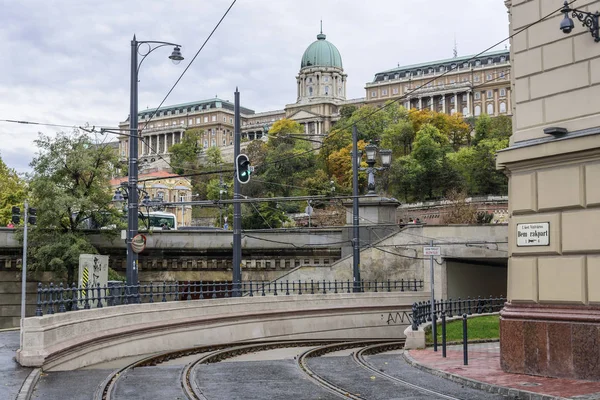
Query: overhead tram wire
403	97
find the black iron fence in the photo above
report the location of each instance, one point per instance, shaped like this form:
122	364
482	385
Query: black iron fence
59	298
421	311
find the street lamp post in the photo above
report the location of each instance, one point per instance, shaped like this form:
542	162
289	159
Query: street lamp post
132	199
356	155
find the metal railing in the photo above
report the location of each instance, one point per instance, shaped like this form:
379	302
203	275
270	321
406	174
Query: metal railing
421	311
59	298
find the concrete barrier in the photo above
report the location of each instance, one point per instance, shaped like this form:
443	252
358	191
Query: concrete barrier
73	340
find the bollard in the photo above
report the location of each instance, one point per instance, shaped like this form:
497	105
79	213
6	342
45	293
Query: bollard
465	349
444	334
434	331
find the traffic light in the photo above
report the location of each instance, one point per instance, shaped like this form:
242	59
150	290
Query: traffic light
243	168
32	216
16	215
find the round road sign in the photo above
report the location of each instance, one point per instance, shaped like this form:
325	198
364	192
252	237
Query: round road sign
138	243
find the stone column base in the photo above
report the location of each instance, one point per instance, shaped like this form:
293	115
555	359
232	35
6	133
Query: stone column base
561	341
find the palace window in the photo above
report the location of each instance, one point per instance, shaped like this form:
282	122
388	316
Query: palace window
476	78
231	120
503	107
396	76
464	97
407	105
490	109
190	121
325	79
340	91
502	92
309	80
451	100
384	92
205	119
477	95
395	90
477	63
174	123
326	90
490	94
502	75
198	120
373	94
205	143
385	78
490	61
224	119
489	77
214	118
477	111
465	111
310	91
213	143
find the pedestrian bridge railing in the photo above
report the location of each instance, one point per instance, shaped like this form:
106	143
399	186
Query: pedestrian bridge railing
59	298
421	311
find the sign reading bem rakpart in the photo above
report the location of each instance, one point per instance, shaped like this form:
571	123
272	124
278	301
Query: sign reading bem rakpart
533	234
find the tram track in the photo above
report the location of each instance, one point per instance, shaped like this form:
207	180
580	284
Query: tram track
207	354
359	358
217	353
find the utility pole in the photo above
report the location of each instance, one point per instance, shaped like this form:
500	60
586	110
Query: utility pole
355	220
237	206
24	269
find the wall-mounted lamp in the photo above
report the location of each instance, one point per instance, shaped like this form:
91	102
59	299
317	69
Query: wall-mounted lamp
556	131
589	20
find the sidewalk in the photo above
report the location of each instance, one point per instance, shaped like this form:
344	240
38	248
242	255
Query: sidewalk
13	375
484	372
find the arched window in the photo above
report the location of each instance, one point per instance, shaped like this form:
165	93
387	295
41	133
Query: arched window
477	111
490	109
205	143
453	111
465	111
503	107
326	90
310	91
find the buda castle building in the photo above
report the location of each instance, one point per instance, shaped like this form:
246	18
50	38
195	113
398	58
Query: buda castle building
468	85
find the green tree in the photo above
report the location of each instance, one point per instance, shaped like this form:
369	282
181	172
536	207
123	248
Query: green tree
69	185
477	166
426	173
213	156
264	215
184	155
13	192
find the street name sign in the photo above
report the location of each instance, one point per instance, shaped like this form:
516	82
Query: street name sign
533	234
432	251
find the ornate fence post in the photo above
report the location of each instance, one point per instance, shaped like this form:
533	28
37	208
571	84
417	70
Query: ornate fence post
38	311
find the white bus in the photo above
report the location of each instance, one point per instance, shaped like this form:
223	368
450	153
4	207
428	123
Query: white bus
156	220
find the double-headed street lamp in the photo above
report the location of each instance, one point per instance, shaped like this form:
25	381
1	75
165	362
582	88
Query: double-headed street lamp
132	199
356	155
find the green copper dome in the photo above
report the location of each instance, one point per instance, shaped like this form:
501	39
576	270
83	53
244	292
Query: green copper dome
321	54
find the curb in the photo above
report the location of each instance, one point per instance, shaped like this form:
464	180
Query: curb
486	387
26	390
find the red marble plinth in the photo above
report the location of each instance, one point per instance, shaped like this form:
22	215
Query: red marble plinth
561	341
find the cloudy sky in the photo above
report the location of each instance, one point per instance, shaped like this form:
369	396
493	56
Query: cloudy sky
68	61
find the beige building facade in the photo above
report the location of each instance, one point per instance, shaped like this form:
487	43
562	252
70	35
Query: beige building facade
551	323
468	85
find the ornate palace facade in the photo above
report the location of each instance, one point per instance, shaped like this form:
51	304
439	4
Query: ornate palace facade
474	85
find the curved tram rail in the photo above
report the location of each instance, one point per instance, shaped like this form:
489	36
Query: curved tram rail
359	358
217	353
208	354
